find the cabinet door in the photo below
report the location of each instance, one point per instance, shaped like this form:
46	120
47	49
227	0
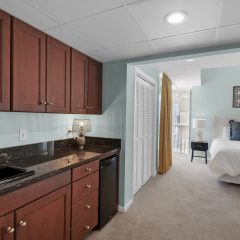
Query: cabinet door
4	61
47	218
7	227
29	68
58	76
79	78
94	99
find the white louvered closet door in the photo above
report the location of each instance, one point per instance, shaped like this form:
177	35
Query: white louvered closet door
143	132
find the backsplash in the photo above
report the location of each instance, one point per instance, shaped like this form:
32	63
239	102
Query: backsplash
40	127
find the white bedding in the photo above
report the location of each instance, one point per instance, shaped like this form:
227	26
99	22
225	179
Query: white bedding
225	157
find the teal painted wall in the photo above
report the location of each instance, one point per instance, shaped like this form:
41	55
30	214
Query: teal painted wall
214	97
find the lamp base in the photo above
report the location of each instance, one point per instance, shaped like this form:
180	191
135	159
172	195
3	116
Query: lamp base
199	135
81	140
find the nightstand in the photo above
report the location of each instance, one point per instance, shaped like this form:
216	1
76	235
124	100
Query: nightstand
199	146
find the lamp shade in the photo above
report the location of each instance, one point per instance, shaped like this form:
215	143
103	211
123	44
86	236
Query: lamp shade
81	123
199	123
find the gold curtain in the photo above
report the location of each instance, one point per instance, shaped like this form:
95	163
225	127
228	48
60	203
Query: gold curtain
165	143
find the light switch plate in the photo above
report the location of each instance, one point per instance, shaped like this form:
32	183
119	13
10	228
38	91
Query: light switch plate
22	134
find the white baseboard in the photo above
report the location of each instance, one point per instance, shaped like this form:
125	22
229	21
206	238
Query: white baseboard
126	207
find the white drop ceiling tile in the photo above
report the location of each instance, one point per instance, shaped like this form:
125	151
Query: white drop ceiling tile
186	42
68	10
230	12
26	13
150	16
109	29
99	56
134	1
228	35
71	39
129	51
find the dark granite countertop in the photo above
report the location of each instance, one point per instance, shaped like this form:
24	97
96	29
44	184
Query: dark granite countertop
50	158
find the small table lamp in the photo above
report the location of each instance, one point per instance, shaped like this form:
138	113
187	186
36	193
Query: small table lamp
80	126
199	125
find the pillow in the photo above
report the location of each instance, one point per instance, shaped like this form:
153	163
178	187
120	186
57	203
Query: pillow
226	133
234	130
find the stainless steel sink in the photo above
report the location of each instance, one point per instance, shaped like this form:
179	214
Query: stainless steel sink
9	174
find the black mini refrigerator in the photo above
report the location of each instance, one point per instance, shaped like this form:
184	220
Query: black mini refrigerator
108	190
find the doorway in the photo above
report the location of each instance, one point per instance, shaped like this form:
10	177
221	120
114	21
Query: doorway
144	155
181	121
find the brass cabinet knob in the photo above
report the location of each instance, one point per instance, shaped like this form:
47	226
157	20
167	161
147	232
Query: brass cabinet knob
43	103
22	224
50	104
88	186
87	107
87	227
10	230
87	206
88	169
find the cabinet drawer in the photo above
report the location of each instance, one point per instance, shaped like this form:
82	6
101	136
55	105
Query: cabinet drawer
84	208
85	170
199	146
83	228
84	187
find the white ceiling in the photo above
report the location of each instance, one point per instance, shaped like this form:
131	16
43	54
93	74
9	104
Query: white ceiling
120	29
185	74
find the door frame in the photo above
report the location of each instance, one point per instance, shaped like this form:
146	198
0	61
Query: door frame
147	78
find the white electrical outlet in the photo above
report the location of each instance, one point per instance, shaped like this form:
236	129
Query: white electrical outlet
22	134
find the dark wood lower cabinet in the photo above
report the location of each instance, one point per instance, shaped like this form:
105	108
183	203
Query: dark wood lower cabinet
7	227
53	209
45	219
85	227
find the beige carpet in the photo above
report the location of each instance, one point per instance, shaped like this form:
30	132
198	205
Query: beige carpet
186	203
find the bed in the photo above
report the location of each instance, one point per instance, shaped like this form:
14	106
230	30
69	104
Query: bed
225	154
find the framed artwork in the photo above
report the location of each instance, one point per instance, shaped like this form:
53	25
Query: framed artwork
236	96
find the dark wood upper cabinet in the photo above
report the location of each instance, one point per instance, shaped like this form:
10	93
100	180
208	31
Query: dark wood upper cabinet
29	68
58	76
79	80
94	93
47	218
7	227
4	61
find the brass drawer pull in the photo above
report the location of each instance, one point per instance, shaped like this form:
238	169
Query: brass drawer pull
88	186
43	103
22	224
87	227
88	169
10	230
87	206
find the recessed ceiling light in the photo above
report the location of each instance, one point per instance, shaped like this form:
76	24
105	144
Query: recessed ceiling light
176	17
190	60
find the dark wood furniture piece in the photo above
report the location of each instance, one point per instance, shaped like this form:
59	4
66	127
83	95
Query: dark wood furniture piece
45	77
42	210
4	61
199	146
29	68
94	93
79	82
58	76
84	199
7	227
